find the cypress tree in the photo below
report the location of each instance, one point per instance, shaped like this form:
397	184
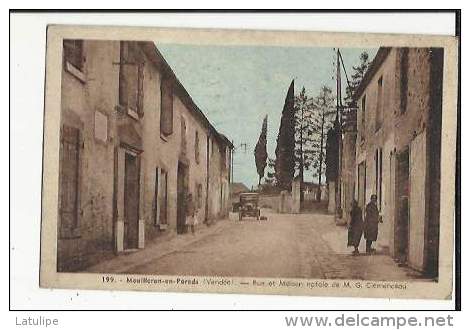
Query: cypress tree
285	148
261	154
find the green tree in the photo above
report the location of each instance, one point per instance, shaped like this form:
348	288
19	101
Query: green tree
285	162
358	74
323	115
304	152
261	154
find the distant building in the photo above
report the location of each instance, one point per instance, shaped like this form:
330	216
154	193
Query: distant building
398	151
133	145
236	188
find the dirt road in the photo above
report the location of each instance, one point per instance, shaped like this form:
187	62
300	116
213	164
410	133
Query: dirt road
287	246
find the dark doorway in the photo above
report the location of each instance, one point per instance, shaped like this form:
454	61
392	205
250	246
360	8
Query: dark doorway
402	206
182	192
131	202
434	162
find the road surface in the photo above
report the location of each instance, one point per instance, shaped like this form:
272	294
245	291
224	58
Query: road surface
284	246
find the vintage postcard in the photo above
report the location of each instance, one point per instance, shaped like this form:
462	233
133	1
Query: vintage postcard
261	162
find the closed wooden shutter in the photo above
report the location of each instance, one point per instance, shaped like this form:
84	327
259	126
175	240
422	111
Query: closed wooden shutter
166	114
73	52
140	83
157	203
69	181
196	147
122	75
131	78
163	197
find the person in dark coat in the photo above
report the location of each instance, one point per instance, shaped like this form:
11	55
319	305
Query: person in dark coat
371	223
355	227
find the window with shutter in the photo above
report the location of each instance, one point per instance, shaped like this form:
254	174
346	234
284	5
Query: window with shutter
73	52
69	179
156	210
196	147
363	117
183	135
404	64
378	108
166	108
163	197
131	80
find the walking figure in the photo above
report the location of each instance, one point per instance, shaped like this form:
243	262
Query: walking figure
355	227
371	223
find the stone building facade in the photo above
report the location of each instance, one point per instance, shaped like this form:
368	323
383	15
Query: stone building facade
398	151
133	146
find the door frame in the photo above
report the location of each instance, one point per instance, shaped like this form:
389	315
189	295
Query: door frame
119	178
401	255
127	240
181	196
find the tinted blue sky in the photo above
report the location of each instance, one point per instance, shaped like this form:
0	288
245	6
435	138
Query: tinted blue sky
236	86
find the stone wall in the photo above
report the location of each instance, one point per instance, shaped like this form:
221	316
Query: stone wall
406	103
80	101
90	102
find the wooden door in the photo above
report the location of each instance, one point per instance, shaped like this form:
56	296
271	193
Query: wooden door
182	192
131	202
402	179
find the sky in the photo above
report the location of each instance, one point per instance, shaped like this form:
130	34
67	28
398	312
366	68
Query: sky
236	86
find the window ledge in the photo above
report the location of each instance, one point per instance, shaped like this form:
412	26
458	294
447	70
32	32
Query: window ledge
163	137
132	113
127	111
77	73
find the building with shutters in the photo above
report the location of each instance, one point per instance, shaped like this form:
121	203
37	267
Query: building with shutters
398	151
133	145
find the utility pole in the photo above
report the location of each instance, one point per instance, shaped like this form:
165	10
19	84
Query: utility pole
340	142
230	175
301	170
318	197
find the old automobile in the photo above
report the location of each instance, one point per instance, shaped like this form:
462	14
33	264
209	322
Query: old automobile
249	206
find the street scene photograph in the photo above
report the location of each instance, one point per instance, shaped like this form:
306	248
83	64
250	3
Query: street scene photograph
288	163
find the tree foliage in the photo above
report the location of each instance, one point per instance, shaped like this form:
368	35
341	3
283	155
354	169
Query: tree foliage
261	154
324	114
358	74
305	130
285	162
